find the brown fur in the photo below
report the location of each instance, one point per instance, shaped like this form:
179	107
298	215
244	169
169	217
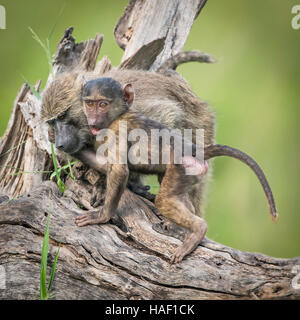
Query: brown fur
171	101
174	188
158	97
177	187
60	95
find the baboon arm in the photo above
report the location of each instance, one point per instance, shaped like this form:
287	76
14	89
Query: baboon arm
117	177
88	156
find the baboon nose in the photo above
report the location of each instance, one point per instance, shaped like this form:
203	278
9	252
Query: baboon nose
60	147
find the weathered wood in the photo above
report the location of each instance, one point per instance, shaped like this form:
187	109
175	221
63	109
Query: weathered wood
127	259
104	65
144	58
19	151
106	262
146	21
183	57
70	55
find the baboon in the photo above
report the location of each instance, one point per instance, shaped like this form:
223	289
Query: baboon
108	105
168	100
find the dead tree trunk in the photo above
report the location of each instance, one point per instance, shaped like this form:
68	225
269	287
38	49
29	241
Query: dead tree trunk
126	259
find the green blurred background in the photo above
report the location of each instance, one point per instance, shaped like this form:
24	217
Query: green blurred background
254	89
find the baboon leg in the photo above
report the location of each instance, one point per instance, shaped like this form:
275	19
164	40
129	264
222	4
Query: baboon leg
197	194
171	203
188	203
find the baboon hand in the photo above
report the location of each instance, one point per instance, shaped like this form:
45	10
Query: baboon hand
92	217
141	190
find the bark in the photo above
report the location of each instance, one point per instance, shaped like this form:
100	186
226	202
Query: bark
127	258
170	19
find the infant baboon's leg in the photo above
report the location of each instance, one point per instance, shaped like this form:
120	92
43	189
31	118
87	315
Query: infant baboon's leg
196	192
170	201
197	196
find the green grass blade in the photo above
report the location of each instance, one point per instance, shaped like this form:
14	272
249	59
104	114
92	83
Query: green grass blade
53	175
45	248
49	58
11	149
45	47
37	39
26	172
32	88
43	286
19	171
70	170
57	171
61	185
56	21
69	166
53	270
54	160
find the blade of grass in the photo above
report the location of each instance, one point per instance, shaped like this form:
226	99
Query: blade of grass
45	47
64	168
61	185
11	149
20	171
49	57
69	166
54	159
53	270
56	21
28	172
32	88
43	285
50	36
23	172
54	174
37	38
59	181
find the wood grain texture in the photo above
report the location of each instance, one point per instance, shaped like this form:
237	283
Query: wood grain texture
146	21
144	58
125	262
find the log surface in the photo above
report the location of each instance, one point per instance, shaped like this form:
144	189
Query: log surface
127	259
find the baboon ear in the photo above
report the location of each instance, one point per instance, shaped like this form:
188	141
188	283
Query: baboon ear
128	93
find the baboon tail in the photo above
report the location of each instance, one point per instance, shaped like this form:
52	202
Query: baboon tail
218	150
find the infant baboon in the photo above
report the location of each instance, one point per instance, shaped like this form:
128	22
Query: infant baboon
168	100
107	105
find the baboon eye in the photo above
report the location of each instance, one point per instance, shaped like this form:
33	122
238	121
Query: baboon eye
103	104
62	115
51	122
89	103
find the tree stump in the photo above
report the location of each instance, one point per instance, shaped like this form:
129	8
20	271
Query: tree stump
127	258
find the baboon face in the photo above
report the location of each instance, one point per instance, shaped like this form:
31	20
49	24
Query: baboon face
104	100
67	134
62	110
